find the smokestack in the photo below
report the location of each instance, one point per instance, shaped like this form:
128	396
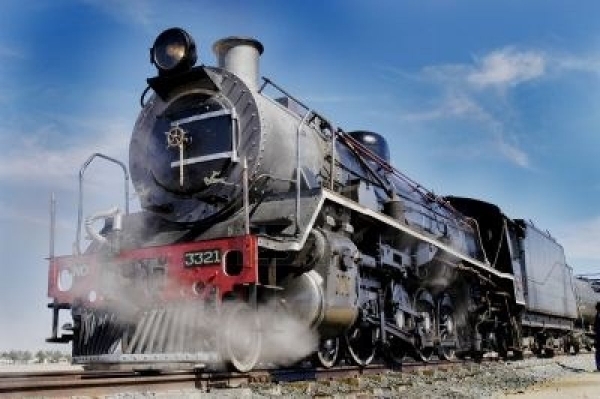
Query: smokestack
239	55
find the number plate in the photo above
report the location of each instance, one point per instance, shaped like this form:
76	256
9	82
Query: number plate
201	258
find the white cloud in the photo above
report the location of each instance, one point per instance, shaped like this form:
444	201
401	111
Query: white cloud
507	67
31	158
512	152
463	93
499	68
490	128
453	105
570	63
502	68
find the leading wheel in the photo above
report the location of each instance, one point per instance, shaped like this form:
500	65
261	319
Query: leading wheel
360	342
327	353
241	341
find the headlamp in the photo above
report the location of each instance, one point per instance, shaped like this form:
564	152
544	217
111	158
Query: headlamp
173	51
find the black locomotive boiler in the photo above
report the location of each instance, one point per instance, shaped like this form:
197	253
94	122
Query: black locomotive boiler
253	202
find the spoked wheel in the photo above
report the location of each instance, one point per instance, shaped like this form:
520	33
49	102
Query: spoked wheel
360	342
447	333
446	352
424	354
396	350
328	352
425	326
240	342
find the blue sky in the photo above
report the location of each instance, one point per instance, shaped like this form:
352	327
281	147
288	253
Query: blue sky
496	100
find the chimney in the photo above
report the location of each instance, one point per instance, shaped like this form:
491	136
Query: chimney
239	55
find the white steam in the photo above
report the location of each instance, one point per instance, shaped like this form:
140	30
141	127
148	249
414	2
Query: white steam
194	325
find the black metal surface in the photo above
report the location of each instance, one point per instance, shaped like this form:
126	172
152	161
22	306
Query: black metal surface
374	142
163	85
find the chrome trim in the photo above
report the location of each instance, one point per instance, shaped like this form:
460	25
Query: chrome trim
200	117
220	155
204	158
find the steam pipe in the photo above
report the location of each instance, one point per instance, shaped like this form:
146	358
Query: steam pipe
114	213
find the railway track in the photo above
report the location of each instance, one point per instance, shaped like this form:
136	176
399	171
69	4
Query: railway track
74	383
71	383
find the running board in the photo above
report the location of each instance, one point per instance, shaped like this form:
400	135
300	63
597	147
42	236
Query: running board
211	357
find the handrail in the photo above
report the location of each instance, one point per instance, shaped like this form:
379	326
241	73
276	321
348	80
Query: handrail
267	82
77	245
298	172
363	152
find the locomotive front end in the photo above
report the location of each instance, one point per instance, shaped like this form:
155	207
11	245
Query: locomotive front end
194	136
138	297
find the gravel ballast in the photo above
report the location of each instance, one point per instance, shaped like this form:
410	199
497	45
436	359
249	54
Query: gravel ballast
486	380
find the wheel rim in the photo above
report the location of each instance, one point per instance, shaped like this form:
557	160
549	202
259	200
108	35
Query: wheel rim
241	351
328	352
424	328
361	345
425	354
447	353
400	319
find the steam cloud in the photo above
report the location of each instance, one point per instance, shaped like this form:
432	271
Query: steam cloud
194	325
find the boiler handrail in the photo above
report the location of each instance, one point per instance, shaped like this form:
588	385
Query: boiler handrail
80	205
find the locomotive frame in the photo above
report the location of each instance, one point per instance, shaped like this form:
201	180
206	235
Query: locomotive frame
298	213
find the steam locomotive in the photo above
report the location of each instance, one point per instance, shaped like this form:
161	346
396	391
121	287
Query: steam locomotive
257	210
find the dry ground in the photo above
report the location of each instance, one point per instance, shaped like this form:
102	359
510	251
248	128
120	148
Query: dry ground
582	385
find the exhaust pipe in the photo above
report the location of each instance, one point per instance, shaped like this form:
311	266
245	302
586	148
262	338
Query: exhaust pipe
239	55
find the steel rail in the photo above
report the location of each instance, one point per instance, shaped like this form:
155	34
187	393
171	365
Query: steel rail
103	382
70	383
